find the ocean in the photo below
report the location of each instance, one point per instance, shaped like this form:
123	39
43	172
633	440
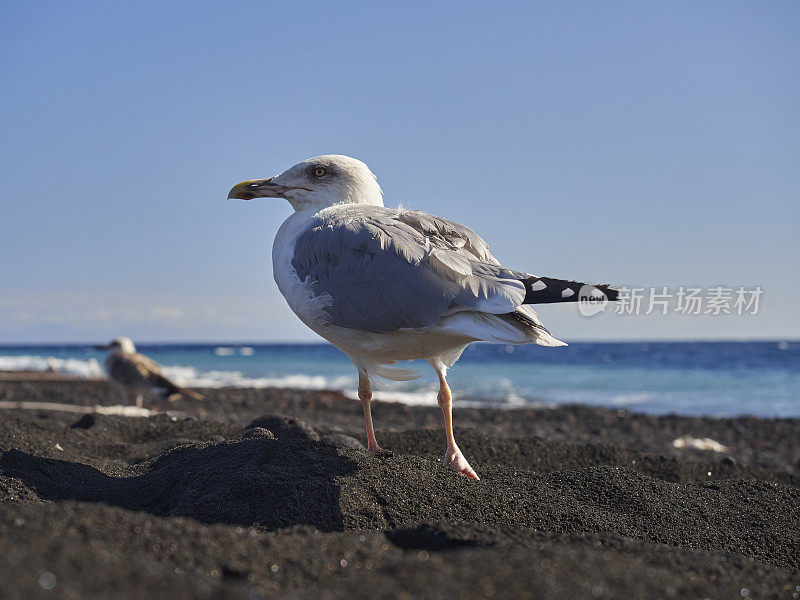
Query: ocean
688	378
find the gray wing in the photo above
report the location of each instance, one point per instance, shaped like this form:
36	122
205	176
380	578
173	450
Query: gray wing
387	269
138	369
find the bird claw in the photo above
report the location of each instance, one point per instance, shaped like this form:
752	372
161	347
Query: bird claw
456	461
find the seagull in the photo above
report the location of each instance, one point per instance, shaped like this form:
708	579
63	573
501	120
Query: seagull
389	284
135	374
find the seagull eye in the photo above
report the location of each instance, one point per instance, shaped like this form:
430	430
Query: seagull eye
319	172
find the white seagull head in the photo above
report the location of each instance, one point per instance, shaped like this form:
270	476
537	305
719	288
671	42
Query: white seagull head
119	345
317	183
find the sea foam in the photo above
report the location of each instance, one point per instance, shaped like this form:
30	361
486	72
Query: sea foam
182	375
68	366
192	377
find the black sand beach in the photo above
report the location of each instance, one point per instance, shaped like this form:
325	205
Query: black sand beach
269	493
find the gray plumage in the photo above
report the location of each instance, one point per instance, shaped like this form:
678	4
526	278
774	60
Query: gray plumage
389	269
136	375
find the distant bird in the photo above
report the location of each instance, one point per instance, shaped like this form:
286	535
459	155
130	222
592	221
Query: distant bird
135	375
384	284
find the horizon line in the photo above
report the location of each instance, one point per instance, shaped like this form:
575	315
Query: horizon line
4	344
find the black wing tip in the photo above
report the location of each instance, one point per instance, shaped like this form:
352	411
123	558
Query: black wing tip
549	290
611	293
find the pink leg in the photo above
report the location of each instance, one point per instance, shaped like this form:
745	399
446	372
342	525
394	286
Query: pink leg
365	395
453	457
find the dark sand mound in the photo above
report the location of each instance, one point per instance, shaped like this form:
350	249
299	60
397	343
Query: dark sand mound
266	506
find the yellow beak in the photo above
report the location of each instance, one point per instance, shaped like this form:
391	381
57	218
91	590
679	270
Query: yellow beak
257	188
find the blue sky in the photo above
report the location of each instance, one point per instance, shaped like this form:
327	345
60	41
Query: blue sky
646	144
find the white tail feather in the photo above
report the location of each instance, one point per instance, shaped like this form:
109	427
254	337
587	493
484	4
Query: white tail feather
498	329
395	374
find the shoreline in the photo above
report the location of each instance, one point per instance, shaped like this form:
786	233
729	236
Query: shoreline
423	399
690	378
268	492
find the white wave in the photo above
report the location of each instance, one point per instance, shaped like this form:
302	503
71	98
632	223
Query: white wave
192	377
593	398
68	366
424	396
429	397
420	398
182	375
189	376
633	398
